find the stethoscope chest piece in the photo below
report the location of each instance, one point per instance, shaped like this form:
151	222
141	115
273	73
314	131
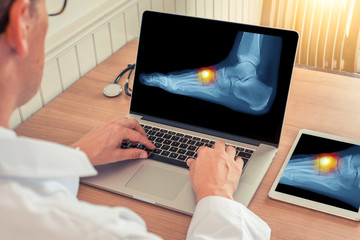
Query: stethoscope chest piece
112	90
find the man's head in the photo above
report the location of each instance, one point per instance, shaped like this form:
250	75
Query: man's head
22	44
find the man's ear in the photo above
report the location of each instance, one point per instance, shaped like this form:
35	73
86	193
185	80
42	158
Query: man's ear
17	30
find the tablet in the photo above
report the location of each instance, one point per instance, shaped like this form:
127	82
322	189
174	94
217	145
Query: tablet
321	172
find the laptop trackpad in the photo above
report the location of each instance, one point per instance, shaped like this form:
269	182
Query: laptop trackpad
158	181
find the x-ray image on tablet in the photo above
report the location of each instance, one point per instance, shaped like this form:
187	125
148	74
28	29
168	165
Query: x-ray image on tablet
321	172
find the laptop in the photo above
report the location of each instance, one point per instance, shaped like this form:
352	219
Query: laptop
198	81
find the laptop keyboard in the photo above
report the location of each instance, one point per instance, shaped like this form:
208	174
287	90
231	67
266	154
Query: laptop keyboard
175	148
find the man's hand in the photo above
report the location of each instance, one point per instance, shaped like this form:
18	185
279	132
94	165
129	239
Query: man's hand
102	144
215	172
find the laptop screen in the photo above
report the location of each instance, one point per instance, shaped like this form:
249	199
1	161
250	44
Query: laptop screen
216	75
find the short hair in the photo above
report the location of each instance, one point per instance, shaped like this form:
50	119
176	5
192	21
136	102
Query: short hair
4	12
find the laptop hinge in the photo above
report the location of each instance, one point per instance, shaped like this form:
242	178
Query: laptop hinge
199	129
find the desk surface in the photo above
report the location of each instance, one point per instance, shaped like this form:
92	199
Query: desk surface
317	100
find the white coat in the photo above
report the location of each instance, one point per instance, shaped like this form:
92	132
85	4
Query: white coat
39	182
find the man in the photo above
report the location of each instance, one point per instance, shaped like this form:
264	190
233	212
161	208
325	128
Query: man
39	180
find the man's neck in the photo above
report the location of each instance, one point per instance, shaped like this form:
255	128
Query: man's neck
4	122
7	107
10	82
5	115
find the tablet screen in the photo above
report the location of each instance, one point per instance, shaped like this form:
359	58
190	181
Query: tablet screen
323	170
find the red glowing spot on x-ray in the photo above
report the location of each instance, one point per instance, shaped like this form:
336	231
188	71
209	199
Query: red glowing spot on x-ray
206	75
327	162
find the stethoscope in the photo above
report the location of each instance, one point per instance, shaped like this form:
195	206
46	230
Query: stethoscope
114	89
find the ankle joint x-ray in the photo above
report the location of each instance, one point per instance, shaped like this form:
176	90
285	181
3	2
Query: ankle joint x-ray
245	81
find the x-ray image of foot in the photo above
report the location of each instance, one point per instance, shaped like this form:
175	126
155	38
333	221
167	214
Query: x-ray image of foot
335	175
245	81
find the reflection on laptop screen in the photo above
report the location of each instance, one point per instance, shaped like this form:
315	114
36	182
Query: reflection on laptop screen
229	77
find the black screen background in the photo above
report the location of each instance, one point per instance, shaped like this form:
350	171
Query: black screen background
167	44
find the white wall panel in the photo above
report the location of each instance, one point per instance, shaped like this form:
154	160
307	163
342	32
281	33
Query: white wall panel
252	7
69	68
103	48
232	10
15	119
180	7
191	7
209	9
86	55
157	5
200	8
169	6
245	11
132	24
217	9
51	83
118	33
225	10
239	9
258	11
81	18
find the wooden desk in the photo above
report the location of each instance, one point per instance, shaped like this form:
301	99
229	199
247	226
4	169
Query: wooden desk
318	101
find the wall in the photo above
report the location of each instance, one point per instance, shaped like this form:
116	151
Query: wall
89	31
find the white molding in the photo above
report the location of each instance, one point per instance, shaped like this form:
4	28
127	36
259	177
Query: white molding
78	27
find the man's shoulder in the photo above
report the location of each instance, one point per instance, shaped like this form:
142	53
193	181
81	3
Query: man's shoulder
38	216
25	214
27	157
